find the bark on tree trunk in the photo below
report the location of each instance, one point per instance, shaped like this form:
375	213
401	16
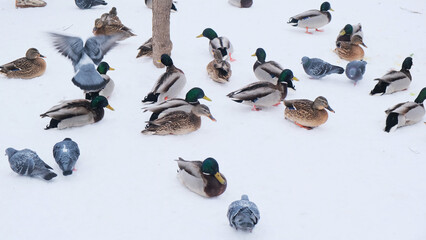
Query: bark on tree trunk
161	42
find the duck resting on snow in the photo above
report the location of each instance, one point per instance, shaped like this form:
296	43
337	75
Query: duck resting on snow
30	66
394	81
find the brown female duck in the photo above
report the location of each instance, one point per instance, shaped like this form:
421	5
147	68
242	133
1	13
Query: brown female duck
30	66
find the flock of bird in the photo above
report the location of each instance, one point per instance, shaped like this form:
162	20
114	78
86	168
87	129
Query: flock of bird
173	115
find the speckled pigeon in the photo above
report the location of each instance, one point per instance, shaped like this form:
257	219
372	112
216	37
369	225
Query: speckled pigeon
243	214
318	68
86	4
66	154
355	70
27	162
85	57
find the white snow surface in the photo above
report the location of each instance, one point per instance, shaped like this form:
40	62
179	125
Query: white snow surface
347	179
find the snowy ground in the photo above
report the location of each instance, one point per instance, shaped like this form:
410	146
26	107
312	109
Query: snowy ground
346	179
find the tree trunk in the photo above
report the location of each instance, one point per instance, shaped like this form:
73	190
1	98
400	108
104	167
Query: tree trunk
161	42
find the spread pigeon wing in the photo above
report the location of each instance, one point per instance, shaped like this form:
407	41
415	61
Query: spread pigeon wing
70	47
96	47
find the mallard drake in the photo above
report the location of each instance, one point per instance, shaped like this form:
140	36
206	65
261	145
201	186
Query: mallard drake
30	66
148	4
76	113
318	68
178	122
313	18
264	94
407	113
351	33
241	3
349	51
111	25
203	177
145	49
266	71
307	114
85	57
394	81
218	69
103	68
176	104
169	84
221	43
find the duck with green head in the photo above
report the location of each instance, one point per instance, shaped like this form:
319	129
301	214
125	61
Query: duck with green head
103	68
76	113
351	33
221	43
406	113
394	81
177	104
178	122
264	94
312	19
266	71
202	177
169	84
306	113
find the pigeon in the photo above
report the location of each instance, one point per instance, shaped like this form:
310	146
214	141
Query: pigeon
86	4
66	154
355	70
27	162
243	214
318	68
85	58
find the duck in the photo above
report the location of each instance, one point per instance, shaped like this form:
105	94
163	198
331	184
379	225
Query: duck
264	94
103	68
351	33
221	43
406	113
177	104
29	3
266	71
318	68
306	113
169	84
241	3
178	122
148	4
349	51
111	25
312	19
85	58
30	66
145	49
394	81
86	4
202	177
76	113
218	69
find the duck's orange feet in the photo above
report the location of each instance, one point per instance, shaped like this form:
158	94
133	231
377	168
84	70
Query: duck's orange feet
232	59
276	104
255	108
319	30
307	31
305	127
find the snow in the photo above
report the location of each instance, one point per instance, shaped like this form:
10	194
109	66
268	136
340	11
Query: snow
347	179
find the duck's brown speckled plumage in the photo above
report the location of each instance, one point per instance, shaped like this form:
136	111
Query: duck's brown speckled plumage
110	24
349	51
30	66
218	69
306	112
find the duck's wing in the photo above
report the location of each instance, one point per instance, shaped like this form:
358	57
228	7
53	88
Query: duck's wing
191	167
70	47
96	47
253	91
68	109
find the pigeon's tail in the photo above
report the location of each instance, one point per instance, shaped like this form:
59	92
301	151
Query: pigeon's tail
49	175
151	97
337	69
294	22
66	173
99	2
88	78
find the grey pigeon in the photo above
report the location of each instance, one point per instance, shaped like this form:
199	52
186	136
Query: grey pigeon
66	154
318	68
27	162
85	57
86	4
355	70
243	214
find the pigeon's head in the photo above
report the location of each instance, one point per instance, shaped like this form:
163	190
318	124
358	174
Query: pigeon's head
10	152
211	167
305	60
